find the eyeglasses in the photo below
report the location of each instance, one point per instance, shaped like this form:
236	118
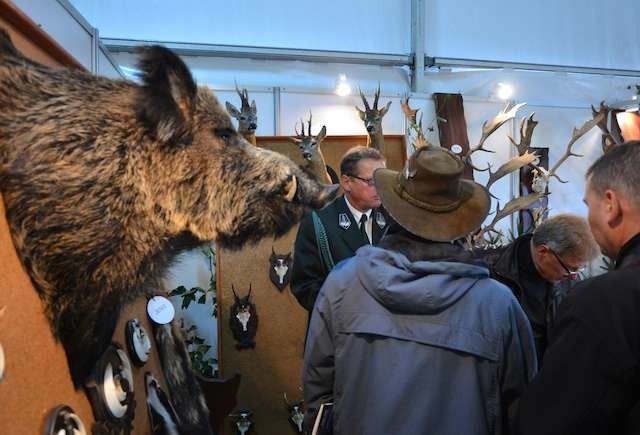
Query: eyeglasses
368	181
570	272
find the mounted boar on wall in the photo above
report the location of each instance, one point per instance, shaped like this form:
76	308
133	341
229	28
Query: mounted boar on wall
105	181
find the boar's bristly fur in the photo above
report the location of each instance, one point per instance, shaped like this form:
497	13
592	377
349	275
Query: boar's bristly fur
105	181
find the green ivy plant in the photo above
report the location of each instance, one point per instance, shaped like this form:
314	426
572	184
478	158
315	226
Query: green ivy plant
198	348
196	345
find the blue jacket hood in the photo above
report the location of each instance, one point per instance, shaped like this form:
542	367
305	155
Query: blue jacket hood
420	287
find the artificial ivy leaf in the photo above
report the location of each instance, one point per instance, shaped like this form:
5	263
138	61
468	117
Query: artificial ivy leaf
202	299
178	291
187	299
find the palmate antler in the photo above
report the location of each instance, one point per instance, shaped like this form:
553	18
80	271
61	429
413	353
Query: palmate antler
409	113
541	176
527	125
488	128
512	165
610	140
415	125
516	204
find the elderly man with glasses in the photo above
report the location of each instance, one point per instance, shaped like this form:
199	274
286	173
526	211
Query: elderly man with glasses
334	233
539	268
590	382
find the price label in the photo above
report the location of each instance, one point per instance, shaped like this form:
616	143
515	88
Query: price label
160	310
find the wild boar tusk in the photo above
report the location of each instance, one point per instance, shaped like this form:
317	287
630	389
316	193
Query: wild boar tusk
291	188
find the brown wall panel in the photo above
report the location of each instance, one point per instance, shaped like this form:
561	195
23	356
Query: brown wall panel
275	365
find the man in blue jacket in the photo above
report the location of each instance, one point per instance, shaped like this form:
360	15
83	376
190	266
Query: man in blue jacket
590	381
414	338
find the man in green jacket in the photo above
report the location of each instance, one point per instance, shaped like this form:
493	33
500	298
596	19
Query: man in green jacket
351	221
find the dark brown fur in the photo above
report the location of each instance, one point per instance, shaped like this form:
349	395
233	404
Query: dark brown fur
104	181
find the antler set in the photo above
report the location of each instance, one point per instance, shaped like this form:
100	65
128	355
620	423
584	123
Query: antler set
523	158
301	135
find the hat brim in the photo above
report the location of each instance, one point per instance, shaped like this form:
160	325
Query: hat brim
436	226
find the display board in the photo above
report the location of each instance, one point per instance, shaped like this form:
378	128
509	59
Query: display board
274	366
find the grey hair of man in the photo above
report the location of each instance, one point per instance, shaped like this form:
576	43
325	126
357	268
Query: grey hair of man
349	162
568	235
618	170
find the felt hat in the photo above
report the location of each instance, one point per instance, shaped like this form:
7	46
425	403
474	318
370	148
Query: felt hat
429	197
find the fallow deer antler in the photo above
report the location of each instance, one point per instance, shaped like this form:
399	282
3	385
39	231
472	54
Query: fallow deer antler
411	114
527	125
519	203
577	134
610	139
506	114
512	165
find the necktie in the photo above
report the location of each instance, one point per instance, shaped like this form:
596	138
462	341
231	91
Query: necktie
363	227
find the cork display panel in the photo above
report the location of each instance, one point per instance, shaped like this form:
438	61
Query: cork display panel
274	366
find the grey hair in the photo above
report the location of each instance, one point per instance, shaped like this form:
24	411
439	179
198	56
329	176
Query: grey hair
349	162
618	170
568	235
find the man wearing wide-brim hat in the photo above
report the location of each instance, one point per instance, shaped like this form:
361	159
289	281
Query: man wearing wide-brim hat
412	337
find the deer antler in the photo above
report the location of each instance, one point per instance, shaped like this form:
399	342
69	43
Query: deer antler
376	96
506	114
364	100
410	113
512	165
519	203
244	96
609	139
527	125
577	134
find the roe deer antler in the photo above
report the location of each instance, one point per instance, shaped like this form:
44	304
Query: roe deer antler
311	152
372	118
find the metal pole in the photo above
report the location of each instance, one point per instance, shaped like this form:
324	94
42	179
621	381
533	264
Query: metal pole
417	45
276	111
95	50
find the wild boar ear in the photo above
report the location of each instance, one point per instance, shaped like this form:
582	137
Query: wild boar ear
166	101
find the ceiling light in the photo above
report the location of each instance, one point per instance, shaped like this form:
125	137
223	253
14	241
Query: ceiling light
343	88
504	91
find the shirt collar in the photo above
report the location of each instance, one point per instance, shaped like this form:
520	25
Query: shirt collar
355	212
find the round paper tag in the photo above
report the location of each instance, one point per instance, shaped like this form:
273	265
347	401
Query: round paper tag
160	310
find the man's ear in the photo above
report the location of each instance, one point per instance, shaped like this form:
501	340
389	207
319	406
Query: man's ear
614	207
344	182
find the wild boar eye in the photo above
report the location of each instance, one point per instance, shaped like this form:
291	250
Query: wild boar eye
223	133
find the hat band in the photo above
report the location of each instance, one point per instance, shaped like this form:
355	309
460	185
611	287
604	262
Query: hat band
436	208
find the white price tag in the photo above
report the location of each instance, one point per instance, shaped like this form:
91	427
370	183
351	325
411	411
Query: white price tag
160	310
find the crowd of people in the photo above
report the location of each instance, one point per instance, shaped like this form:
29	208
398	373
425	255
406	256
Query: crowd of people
412	332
